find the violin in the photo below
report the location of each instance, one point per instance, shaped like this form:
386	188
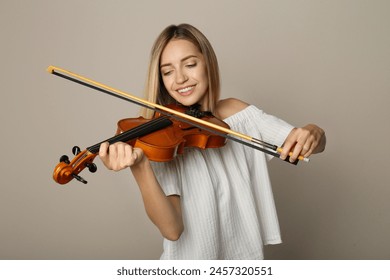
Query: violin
161	139
204	131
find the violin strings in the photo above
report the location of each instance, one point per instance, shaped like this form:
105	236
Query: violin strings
138	131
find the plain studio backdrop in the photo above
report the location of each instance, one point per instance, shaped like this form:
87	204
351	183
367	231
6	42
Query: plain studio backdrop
325	62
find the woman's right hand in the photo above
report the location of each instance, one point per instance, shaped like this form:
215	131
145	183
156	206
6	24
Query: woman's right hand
119	155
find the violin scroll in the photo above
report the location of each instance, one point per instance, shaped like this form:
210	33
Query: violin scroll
67	170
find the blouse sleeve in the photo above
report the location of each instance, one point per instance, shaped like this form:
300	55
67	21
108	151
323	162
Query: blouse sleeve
168	175
258	124
272	129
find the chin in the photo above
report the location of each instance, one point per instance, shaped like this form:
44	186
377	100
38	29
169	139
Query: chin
187	102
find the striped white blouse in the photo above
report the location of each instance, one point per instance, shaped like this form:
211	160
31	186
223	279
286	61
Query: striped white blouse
227	202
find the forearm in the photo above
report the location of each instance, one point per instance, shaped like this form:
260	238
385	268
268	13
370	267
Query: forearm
163	211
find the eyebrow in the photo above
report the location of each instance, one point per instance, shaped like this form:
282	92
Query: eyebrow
181	60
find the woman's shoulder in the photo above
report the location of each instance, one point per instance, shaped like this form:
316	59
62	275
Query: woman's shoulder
230	106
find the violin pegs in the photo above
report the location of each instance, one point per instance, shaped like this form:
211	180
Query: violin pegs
91	167
76	150
65	159
80	179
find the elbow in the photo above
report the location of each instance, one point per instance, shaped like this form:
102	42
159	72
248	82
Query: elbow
174	234
172	237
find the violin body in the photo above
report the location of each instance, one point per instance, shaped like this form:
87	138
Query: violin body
165	144
161	138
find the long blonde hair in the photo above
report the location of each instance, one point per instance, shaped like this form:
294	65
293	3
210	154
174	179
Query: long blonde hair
155	90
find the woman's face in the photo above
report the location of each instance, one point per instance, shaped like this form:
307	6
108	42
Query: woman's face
183	70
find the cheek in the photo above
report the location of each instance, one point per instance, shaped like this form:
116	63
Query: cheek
202	76
166	82
205	80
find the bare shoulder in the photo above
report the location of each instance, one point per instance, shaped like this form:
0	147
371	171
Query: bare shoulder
230	106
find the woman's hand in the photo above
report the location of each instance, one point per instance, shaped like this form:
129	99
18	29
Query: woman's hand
119	155
304	141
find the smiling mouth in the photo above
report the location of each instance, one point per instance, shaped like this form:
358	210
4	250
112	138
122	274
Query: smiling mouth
185	90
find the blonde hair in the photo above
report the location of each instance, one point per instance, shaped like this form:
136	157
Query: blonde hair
155	90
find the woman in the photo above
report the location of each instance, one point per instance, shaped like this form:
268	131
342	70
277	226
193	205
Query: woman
213	203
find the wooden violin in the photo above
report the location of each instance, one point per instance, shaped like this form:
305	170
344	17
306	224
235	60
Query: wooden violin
161	138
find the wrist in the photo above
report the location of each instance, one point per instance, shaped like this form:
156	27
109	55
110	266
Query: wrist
141	164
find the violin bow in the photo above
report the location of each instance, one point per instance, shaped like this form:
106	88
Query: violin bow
222	131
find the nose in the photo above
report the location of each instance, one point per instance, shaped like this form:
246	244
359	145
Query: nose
181	77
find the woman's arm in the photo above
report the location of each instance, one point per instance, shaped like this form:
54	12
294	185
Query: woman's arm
164	211
305	141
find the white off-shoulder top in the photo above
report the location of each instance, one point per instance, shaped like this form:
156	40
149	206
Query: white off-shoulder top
226	197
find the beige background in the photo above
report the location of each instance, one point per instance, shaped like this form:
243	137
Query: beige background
326	62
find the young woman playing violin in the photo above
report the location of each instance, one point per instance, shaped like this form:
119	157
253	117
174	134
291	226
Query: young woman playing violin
213	203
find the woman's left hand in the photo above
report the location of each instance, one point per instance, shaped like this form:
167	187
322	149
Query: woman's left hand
304	141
